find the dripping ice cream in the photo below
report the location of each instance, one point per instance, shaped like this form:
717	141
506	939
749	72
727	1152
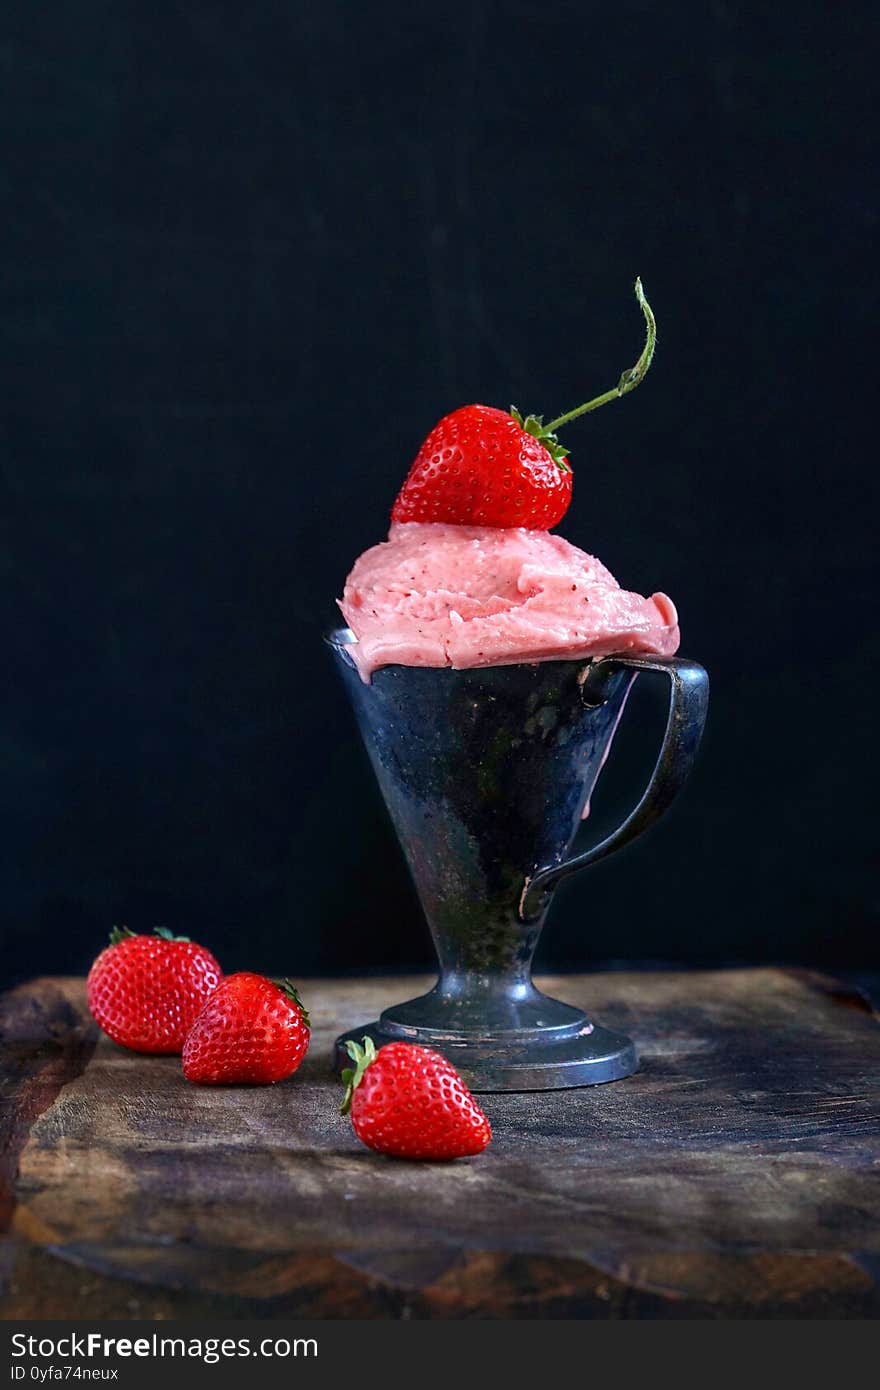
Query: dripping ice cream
438	594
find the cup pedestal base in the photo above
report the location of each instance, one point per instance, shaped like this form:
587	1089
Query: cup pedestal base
524	1060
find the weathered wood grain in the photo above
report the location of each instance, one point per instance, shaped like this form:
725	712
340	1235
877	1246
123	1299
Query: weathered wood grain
738	1174
47	1040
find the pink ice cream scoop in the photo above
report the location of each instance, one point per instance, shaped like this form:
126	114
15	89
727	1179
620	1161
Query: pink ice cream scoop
435	594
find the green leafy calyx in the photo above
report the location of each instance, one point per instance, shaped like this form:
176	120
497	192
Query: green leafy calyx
289	988
124	934
534	425
166	935
353	1076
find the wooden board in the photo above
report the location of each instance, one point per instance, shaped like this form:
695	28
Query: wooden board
738	1174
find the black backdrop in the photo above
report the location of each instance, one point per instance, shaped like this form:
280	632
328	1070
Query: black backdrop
251	254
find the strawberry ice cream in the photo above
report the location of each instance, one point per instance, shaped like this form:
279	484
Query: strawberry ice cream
437	594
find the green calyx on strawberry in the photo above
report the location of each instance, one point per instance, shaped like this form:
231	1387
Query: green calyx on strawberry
124	934
289	988
353	1076
534	425
481	466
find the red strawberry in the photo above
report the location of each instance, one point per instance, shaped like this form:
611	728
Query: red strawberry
479	467
251	1031
408	1101
484	467
146	991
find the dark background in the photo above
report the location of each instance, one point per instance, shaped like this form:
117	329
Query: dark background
251	255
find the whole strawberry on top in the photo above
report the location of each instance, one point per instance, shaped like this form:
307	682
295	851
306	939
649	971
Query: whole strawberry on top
480	467
485	467
252	1031
408	1101
146	991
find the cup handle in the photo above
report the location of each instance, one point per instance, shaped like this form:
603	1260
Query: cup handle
688	703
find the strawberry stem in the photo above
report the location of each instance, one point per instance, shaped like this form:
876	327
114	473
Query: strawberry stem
629	380
353	1076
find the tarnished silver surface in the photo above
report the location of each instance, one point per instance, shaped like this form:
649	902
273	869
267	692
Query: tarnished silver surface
486	773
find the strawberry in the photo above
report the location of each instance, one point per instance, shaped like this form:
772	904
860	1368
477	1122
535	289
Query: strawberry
479	467
146	991
408	1101
251	1031
485	467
